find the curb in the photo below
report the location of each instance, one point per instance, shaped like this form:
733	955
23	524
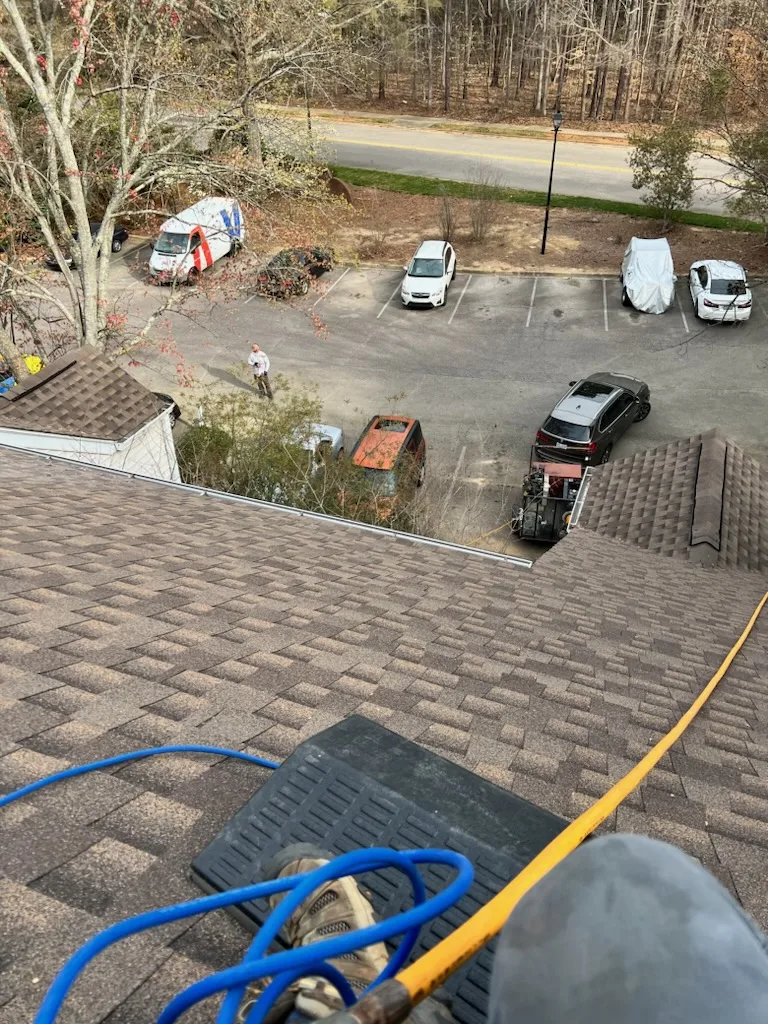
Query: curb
517	272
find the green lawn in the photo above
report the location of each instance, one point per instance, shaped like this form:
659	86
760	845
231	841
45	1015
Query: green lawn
418	186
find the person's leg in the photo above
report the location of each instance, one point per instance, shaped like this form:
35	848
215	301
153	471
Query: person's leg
267	386
257	384
628	930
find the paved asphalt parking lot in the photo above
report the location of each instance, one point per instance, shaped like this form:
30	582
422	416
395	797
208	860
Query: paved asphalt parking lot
482	372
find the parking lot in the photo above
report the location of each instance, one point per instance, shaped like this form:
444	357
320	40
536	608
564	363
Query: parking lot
484	370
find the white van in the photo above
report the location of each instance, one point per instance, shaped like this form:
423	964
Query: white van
196	238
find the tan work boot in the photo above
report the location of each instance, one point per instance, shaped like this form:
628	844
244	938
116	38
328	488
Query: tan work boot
334	908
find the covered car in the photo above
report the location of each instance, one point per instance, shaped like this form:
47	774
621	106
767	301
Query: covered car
648	275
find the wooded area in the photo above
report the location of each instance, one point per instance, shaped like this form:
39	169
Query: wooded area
617	60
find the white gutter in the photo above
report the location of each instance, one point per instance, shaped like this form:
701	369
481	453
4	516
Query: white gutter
494	556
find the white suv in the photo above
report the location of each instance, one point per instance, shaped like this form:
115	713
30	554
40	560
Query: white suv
428	275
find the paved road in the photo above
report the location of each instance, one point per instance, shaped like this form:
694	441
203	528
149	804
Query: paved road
599	171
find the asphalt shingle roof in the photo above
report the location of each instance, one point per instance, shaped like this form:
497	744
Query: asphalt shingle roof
80	395
700	498
135	614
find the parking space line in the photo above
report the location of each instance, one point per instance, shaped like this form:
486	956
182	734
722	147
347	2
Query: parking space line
394	293
530	306
453	314
685	319
326	294
605	305
249	299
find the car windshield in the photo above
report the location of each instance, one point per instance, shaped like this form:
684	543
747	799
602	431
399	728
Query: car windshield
562	428
384	481
732	287
171	243
425	268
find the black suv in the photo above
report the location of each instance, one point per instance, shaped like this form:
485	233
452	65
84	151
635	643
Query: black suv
590	417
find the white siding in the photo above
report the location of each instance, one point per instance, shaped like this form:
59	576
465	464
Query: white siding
148	452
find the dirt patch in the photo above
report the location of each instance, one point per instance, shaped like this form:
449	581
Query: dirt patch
388	225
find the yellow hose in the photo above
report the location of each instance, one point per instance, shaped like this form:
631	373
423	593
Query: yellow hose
431	970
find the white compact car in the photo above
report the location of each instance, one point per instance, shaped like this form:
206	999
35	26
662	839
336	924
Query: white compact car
719	291
429	274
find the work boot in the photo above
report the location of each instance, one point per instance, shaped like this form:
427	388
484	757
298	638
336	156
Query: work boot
335	907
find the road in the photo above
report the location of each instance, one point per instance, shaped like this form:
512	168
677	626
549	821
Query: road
598	171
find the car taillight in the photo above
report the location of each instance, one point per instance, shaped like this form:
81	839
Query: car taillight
712	305
541	436
592	447
745	305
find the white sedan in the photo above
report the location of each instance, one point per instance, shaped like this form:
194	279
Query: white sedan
719	291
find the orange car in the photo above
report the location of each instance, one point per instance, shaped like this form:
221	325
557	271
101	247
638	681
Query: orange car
393	454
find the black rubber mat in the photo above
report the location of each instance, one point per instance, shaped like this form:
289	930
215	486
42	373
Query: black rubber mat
360	785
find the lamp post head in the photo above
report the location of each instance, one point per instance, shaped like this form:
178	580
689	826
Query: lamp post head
557	120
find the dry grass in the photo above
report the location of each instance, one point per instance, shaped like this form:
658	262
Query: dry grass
578	240
386	227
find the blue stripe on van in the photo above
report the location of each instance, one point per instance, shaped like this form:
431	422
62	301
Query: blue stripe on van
233	229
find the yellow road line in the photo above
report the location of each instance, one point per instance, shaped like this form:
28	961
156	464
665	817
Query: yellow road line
479	156
431	970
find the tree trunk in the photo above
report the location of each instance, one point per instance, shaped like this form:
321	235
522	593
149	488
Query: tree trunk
12	356
430	56
446	56
618	99
521	65
539	105
253	129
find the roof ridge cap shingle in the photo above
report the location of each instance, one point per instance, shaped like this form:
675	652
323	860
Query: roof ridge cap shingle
706	522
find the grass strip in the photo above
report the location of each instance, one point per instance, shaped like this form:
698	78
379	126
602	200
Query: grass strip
415	185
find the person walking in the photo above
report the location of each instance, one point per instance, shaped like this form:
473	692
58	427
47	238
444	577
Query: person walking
260	362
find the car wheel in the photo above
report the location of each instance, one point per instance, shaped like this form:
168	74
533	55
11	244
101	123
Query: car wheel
625	299
606	455
193	276
642	412
453	275
445	296
304	286
340	454
117	245
422	474
406	305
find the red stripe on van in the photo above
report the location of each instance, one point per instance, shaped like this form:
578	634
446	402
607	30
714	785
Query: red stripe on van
206	249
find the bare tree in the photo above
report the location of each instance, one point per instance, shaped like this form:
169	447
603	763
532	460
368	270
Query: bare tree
484	203
103	105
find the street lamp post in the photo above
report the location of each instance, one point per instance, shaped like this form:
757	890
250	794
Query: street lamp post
557	120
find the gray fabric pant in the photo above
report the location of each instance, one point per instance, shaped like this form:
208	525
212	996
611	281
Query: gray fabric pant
628	930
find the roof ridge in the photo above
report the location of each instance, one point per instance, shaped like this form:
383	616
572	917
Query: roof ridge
706	521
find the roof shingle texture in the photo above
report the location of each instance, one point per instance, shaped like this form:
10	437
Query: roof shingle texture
80	395
700	498
133	614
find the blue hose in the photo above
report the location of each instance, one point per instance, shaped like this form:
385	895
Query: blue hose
134	755
284	968
278	917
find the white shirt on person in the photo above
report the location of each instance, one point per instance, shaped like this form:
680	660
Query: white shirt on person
260	363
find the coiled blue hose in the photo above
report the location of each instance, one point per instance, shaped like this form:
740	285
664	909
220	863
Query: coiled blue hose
284	968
